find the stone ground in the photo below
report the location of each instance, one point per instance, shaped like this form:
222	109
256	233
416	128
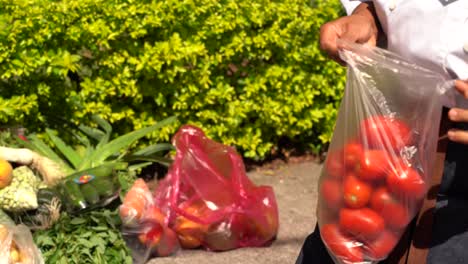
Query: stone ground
296	194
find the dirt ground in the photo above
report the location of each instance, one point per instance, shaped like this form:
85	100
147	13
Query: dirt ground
296	193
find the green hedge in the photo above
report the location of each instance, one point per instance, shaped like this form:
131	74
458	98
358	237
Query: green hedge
249	72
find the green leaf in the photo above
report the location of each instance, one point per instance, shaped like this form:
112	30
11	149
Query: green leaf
77	221
111	148
40	147
139	166
103	123
92	132
154	149
69	153
107	129
161	160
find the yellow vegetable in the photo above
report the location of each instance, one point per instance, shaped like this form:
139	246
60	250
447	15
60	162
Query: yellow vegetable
14	253
5	173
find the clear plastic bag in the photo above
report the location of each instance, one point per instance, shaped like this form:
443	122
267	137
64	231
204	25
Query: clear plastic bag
209	200
379	162
89	189
17	245
144	227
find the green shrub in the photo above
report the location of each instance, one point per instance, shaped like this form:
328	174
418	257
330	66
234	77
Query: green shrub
249	72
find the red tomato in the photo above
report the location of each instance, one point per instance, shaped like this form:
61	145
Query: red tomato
332	193
396	215
168	244
335	164
381	247
374	165
385	132
406	183
352	153
363	223
152	236
342	246
356	193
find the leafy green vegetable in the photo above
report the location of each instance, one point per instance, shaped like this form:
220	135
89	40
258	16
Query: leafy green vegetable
92	238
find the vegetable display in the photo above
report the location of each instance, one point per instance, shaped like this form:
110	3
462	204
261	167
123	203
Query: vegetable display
20	194
378	164
66	194
205	201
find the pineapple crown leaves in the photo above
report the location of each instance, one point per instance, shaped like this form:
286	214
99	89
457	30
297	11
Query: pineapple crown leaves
105	151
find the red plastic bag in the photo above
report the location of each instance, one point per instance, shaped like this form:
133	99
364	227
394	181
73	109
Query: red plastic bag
379	163
208	199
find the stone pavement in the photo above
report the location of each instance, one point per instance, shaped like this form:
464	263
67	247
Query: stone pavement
296	194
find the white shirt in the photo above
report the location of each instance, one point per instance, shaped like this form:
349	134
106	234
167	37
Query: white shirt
431	33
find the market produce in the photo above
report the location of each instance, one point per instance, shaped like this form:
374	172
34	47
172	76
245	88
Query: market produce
205	201
135	203
6	171
50	170
144	225
203	186
21	194
191	233
16	243
381	157
89	174
90	238
374	197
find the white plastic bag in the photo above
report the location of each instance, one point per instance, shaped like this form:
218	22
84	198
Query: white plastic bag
379	163
17	246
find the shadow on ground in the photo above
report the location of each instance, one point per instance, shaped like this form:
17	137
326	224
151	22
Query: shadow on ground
296	194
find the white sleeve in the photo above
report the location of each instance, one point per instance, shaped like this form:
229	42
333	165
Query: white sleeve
350	5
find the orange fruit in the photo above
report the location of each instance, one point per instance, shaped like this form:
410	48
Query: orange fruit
152	236
134	202
168	244
191	233
220	238
154	214
6	171
269	230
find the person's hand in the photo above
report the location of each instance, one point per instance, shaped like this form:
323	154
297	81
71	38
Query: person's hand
459	115
359	27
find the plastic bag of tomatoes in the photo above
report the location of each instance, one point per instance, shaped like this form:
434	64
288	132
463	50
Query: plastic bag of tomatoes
378	165
208	199
144	226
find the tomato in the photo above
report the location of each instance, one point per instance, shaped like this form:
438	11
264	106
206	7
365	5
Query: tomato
332	193
396	215
154	214
168	244
385	132
335	164
406	183
151	237
382	246
353	151
374	165
363	223
356	193
341	245
220	237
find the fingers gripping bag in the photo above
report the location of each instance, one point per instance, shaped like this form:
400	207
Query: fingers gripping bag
379	162
208	199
